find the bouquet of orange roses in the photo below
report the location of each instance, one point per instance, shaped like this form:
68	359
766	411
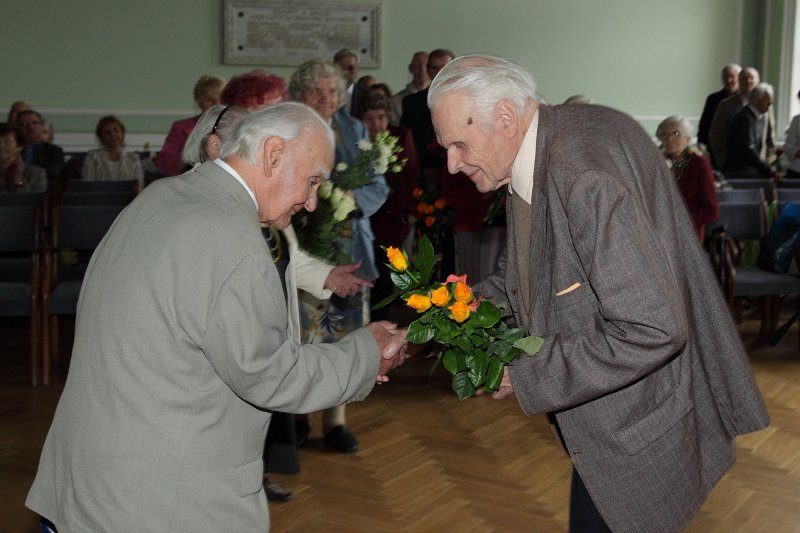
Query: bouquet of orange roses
475	343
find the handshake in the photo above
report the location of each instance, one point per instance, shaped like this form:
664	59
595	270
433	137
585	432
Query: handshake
393	346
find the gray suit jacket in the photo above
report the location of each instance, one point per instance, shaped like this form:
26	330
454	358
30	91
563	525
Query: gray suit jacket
181	351
642	366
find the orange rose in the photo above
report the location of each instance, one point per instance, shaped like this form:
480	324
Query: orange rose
430	221
422	207
397	258
440	203
417	192
420	302
460	311
429	209
440	296
462	292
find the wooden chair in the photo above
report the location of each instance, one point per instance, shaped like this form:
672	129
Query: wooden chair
20	228
79	229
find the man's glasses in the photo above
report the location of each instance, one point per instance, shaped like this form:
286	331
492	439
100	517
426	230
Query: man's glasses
30	123
216	122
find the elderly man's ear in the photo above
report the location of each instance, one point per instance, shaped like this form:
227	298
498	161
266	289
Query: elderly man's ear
506	119
273	154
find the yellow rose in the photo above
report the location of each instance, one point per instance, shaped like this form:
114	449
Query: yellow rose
462	292
397	258
460	311
440	297
420	302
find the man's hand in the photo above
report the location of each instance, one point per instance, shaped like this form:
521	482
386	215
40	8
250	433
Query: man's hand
505	387
343	282
392	342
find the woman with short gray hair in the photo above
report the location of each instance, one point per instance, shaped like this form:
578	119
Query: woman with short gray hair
321	86
691	170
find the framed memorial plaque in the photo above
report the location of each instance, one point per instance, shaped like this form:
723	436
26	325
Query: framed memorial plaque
282	32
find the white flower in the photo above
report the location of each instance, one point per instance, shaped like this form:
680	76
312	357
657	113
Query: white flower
364	145
336	196
341	167
325	189
344	208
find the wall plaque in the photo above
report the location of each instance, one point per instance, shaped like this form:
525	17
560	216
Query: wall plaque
280	32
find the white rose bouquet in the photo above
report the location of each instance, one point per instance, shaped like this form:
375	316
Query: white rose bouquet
319	232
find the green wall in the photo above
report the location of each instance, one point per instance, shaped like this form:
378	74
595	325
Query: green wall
650	58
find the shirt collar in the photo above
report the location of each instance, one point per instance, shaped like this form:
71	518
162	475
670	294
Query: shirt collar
525	162
758	113
227	168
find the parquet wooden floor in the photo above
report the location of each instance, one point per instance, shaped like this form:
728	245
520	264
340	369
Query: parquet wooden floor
428	462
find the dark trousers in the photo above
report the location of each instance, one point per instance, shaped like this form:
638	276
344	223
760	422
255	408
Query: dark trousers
583	514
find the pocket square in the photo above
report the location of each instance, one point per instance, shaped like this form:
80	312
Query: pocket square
568	289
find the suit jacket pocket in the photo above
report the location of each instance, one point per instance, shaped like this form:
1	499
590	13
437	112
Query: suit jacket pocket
643	432
249	477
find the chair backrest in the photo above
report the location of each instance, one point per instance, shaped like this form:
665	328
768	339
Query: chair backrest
20	199
789	184
787	195
103	186
19	226
81	227
111	198
740	195
736	175
742	220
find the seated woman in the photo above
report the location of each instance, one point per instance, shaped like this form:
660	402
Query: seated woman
112	162
691	170
15	174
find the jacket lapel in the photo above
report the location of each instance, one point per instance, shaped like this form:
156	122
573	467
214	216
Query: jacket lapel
539	252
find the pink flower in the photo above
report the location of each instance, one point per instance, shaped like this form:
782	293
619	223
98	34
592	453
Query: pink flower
475	303
452	277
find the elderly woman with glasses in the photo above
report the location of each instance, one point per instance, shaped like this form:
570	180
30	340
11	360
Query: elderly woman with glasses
321	86
691	170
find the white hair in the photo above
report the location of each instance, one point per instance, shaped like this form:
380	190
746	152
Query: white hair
486	80
196	148
287	120
683	123
760	90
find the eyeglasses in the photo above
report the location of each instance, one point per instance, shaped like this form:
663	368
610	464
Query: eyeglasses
667	134
216	122
31	123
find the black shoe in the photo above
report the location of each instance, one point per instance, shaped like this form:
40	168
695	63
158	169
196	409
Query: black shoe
340	439
276	493
302	431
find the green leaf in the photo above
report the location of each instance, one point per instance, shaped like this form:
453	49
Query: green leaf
500	347
419	333
513	335
510	356
486	316
530	345
386	301
477	363
494	375
454	361
462	386
425	259
435	364
463	343
402	281
478	340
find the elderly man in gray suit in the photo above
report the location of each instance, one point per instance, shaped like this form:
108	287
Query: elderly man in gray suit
182	346
642	372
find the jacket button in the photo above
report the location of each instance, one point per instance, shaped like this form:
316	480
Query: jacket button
513	292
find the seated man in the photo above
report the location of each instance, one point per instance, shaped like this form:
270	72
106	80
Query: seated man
747	147
37	151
